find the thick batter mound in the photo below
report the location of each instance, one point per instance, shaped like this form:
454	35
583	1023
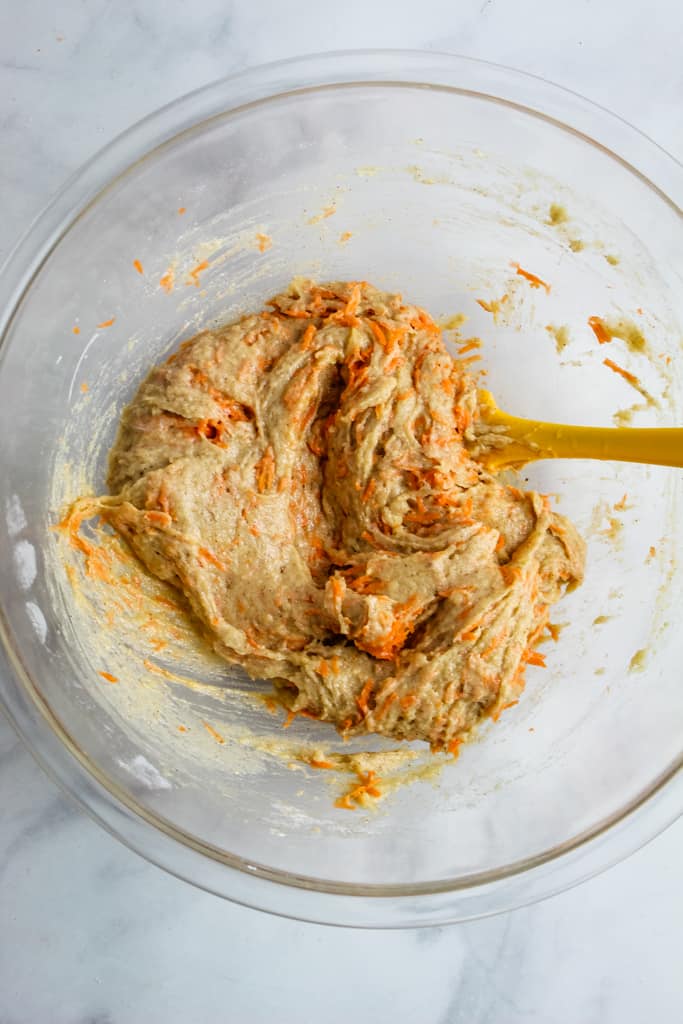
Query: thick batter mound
303	476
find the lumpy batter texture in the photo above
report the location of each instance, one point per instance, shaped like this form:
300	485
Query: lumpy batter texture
304	477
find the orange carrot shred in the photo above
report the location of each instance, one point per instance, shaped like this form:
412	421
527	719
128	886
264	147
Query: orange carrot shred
368	785
138	266
209	556
107	323
316	763
307	337
108	676
469	346
599	329
264	241
167	280
630	377
362	699
370	489
533	279
265	471
76	329
212	732
196	271
181	210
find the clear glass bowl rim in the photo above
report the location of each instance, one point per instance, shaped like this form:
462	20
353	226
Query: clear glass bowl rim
255	885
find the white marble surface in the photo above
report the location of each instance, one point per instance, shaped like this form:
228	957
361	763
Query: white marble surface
88	931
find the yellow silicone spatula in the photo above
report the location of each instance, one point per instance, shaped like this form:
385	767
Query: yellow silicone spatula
530	440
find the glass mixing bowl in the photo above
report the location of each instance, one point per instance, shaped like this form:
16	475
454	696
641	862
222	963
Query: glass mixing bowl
428	174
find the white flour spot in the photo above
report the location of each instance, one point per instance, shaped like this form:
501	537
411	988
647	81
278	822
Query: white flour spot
25	563
37	620
16	517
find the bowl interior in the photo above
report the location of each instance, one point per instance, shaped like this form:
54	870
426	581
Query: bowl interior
435	193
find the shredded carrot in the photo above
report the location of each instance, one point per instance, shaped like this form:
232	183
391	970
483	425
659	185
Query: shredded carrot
182	728
337	589
462	419
323	668
652	551
468	635
316	763
299	314
345	236
307	337
212	430
534	281
196	271
291	715
379	334
76	329
265	471
621	504
84	387
138	266
370	489
160	519
381	711
408	701
469	346
368	786
212	732
181	210
271	704
536	658
264	241
209	556
554	630
362	698
630	377
108	676
453	747
107	323
167	280
494	644
600	329
510	573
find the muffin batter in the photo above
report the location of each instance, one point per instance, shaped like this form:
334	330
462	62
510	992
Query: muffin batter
304	476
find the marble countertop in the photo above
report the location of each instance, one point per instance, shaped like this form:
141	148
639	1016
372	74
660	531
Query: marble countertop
89	932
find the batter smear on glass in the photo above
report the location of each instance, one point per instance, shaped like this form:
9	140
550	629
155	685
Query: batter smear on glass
306	477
